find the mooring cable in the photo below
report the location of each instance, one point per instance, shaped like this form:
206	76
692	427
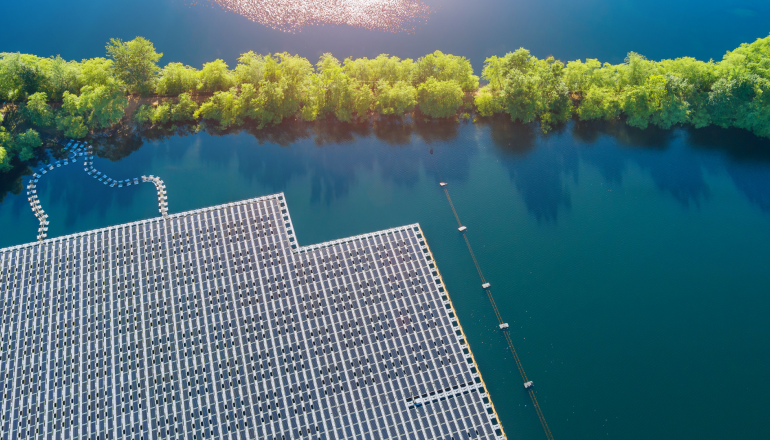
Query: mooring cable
500	321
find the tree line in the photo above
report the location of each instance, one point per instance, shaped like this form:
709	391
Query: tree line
75	99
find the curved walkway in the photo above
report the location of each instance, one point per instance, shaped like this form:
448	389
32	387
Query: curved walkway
80	149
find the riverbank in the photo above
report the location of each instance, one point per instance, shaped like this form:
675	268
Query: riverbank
130	91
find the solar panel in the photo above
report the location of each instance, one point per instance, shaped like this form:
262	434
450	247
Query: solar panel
209	323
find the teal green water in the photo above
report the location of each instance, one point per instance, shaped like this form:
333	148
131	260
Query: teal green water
632	266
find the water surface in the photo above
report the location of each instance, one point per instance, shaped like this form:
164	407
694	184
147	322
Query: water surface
194	32
631	265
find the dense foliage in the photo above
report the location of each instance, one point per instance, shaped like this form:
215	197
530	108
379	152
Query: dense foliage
76	99
730	93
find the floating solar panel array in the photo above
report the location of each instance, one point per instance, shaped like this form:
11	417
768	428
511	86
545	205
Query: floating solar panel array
77	149
214	323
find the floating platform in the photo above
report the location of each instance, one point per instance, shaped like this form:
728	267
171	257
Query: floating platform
215	322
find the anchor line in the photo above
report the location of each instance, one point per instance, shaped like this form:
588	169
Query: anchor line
540	415
508	339
457	217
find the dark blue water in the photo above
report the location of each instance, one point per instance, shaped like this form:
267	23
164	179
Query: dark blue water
631	265
189	31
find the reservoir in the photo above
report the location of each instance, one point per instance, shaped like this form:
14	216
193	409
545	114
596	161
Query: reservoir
630	265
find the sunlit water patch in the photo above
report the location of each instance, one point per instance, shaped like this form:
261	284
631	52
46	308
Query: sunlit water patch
293	15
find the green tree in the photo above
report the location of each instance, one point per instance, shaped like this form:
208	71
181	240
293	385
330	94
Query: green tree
215	77
103	106
580	76
26	143
38	111
250	69
143	114
439	99
7	144
521	96
176	78
444	67
742	103
395	99
674	107
488	101
60	76
268	107
741	96
746	60
21	146
293	76
135	63
184	110
384	67
640	102
161	114
223	107
599	103
96	72
526	88
181	111
333	91
19	77
363	100
73	126
5	162
636	70
96	107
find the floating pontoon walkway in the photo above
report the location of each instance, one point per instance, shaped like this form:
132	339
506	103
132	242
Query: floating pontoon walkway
78	149
214	323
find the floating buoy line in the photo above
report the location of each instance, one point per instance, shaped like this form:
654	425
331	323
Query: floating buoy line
78	150
502	325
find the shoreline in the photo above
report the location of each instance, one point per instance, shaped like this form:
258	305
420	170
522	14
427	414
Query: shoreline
264	91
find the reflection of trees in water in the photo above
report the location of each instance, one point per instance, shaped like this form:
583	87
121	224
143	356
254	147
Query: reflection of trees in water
674	159
748	163
341	149
674	169
333	154
12	181
536	164
513	138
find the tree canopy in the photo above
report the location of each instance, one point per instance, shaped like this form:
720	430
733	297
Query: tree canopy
79	98
135	63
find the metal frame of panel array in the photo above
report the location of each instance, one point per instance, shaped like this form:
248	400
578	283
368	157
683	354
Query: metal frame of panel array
214	323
